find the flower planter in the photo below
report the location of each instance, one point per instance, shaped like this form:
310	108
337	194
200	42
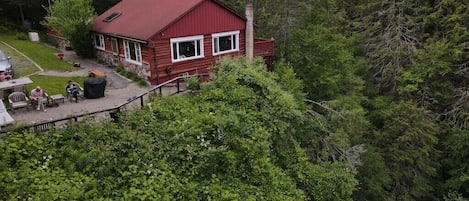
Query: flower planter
60	55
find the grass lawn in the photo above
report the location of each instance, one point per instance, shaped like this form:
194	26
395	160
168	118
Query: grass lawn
44	56
53	84
21	65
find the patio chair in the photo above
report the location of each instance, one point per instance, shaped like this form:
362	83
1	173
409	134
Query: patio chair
5	117
18	100
80	94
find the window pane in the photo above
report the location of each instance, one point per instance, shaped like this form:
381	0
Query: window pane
175	51
225	43
198	48
137	52
114	46
132	51
186	49
215	45
97	42
235	38
127	51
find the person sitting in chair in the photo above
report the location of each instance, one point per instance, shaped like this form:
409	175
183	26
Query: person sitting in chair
37	98
72	90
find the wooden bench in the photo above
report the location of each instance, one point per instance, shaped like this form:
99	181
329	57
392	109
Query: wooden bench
18	100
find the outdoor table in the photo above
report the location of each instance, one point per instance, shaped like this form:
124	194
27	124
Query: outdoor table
58	97
96	73
14	84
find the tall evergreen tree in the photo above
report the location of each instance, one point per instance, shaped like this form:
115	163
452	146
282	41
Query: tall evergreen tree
406	139
392	34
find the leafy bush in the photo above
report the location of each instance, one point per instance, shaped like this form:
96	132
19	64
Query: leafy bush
48	40
131	75
220	144
193	83
21	36
8	27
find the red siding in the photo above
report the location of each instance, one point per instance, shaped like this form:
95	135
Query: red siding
207	18
163	51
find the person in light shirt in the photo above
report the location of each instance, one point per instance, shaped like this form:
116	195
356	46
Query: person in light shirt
37	98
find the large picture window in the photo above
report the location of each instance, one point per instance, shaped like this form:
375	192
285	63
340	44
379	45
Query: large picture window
187	48
98	41
225	42
133	52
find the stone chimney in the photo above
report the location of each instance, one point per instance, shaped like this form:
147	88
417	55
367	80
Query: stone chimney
249	32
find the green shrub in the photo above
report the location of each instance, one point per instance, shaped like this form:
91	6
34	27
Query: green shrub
21	36
142	83
193	83
100	61
131	75
119	69
9	27
48	40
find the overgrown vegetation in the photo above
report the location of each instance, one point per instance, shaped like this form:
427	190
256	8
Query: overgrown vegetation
385	119
72	19
238	139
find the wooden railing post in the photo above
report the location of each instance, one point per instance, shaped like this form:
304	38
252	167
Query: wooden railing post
141	101
177	81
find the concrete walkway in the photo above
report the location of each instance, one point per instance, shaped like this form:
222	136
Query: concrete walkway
117	92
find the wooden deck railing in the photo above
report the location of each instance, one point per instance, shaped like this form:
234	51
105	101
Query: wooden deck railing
264	47
113	112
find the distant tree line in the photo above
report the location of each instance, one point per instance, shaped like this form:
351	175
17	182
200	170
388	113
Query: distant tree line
31	12
401	69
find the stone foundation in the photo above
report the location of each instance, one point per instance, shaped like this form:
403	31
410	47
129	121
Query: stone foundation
142	71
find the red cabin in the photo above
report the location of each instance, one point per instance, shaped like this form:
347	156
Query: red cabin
162	39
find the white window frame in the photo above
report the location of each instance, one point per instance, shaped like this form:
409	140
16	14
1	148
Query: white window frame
138	52
176	41
215	39
100	46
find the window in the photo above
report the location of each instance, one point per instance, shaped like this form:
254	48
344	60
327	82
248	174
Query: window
112	16
187	48
98	41
114	46
225	42
132	51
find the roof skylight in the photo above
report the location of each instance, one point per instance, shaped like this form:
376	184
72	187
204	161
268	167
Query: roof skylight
112	16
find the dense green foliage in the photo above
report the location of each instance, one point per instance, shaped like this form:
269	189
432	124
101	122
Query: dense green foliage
72	19
399	68
380	113
241	137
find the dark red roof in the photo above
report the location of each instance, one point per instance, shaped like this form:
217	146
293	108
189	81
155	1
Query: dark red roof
141	19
